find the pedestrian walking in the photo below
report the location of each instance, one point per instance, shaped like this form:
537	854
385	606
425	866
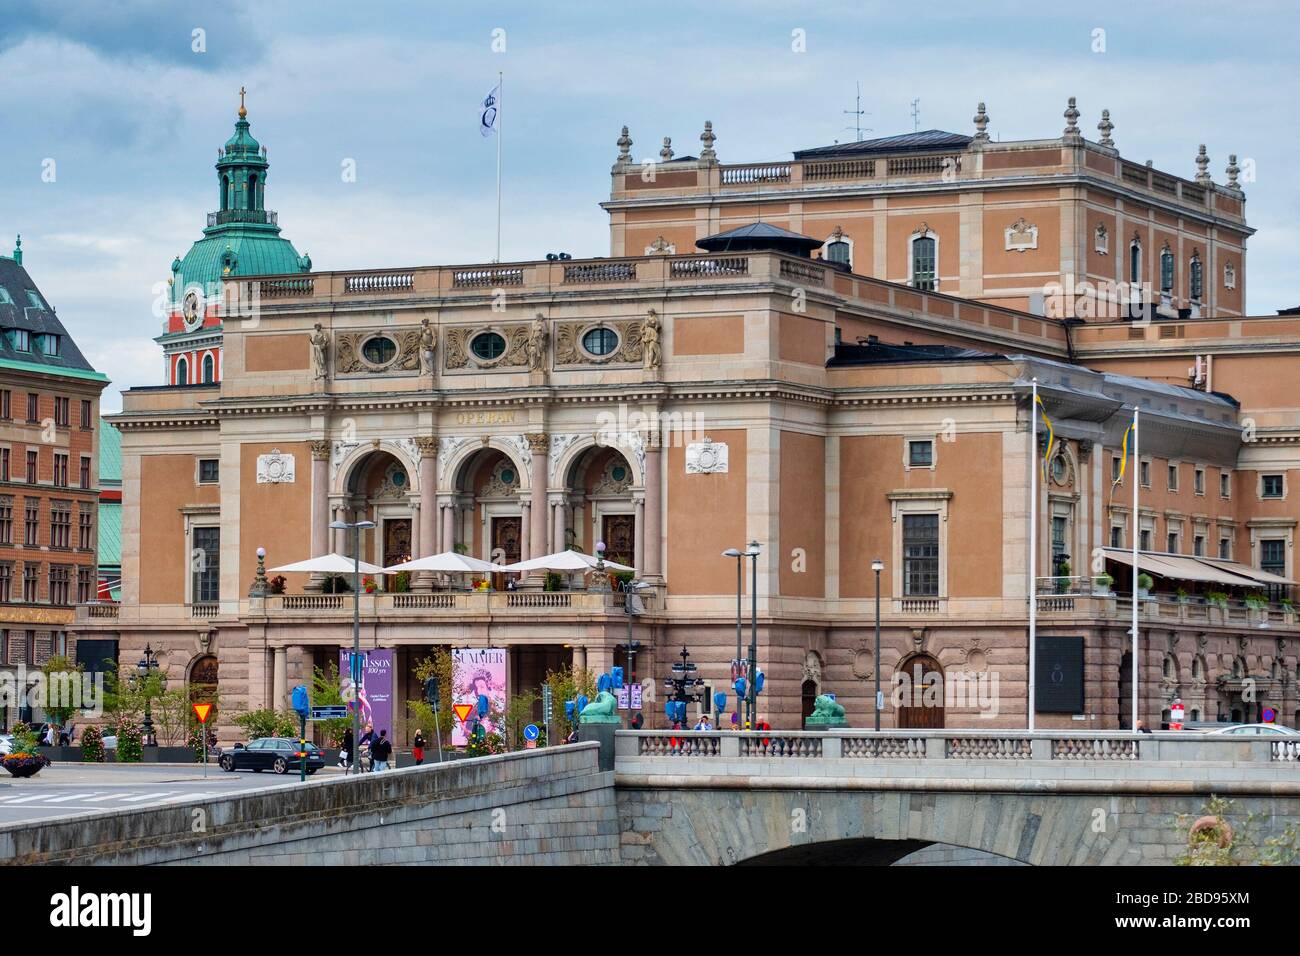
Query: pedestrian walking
381	750
345	749
417	747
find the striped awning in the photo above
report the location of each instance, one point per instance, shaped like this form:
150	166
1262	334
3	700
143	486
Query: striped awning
1180	567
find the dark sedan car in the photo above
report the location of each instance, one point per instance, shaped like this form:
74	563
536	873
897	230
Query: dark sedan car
280	754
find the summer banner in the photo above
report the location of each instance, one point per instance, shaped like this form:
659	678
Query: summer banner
478	671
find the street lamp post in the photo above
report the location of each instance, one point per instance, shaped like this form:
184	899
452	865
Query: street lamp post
146	666
740	570
751	683
355	528
878	566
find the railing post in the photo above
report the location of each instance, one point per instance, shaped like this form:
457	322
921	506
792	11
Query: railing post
729	746
936	747
833	746
1040	748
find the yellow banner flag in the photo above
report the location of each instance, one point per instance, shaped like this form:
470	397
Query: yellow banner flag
1051	437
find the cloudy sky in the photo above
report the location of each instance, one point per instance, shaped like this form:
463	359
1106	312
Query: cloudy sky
132	115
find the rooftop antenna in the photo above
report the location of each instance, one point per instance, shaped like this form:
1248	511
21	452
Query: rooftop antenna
916	115
857	114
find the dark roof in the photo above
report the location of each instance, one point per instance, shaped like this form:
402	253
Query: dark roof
760	235
19	311
926	141
881	353
1294	310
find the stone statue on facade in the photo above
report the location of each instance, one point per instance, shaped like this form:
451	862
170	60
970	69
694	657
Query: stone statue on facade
651	350
537	344
320	344
428	345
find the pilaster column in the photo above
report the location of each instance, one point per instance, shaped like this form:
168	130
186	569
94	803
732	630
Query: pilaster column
560	506
448	524
579	658
653	528
320	505
638	535
526	531
426	543
279	679
539	443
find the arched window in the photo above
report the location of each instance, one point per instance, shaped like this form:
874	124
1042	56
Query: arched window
1198	277
839	252
1135	262
924	262
182	372
1166	271
225	192
209	370
252	191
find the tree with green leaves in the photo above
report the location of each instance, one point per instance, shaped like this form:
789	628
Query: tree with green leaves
267	723
440	665
566	684
326	690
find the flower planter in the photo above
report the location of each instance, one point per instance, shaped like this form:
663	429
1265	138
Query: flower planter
27	766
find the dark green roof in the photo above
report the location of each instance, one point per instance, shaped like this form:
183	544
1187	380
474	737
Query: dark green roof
23	308
108	550
110	455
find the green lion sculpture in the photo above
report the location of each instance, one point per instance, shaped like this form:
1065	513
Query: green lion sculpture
602	710
826	713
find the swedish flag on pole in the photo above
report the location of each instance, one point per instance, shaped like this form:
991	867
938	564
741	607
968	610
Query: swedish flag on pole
1051	435
1129	437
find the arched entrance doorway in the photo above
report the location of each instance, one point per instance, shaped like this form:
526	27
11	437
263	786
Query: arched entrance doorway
919	693
379	490
808	695
489	509
599	500
1126	691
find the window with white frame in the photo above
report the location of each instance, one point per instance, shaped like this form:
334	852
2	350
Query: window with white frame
1198	277
1135	262
920	453
924	262
921	555
1225	484
1166	270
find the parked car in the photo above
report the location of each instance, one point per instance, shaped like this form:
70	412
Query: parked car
279	754
1255	730
6	743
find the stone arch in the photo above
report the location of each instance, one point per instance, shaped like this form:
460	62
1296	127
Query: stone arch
579	446
459	454
343	472
596	490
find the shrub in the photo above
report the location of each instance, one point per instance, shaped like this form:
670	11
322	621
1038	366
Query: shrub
92	745
277	584
1145	582
1104	580
268	723
553	581
130	743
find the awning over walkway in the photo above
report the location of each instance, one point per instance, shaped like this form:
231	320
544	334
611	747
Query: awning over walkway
1180	567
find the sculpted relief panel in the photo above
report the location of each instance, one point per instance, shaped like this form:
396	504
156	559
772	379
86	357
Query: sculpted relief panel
570	349
377	352
486	346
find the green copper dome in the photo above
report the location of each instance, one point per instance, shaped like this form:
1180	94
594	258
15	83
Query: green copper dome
242	237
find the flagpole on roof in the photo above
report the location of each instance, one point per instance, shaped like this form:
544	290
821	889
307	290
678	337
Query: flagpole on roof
499	81
1137	478
1033	549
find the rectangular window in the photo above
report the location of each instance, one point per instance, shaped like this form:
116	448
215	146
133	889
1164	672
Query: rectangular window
61	410
31	467
1270	486
1173	477
1117	536
1198	545
33	406
19	340
1225	549
60	471
4	464
208	470
85	585
1059	526
1225	485
31	584
920	454
61	525
1144	540
85	517
32	522
59	581
206	559
924	271
1198	481
1145	473
1172	542
1114	469
84	478
1272	556
85	414
6	521
6	583
921	555
5	398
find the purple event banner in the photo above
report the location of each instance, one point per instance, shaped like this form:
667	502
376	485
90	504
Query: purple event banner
376	695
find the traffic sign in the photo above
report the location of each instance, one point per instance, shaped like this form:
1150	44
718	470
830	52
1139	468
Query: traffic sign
201	711
1269	715
329	712
462	711
531	732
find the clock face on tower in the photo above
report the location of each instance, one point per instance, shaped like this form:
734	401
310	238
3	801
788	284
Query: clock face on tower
191	310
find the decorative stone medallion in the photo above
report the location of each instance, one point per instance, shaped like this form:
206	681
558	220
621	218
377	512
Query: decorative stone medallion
707	457
275	468
1021	236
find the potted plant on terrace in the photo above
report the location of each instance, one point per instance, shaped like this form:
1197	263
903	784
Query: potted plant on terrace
1102	583
1145	583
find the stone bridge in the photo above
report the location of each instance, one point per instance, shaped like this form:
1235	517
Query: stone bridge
664	797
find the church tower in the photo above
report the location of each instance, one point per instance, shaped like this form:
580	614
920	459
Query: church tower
242	239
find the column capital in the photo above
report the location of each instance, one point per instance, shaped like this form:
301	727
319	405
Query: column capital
320	449
538	442
427	446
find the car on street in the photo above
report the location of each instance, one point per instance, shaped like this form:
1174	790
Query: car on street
277	754
1254	730
6	743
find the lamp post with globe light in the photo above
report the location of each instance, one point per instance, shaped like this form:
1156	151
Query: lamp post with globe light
355	528
877	565
146	666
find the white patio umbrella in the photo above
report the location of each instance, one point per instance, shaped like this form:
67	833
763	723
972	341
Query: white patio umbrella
448	562
327	564
565	561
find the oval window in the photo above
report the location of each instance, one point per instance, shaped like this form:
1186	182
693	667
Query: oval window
380	350
507	476
600	341
618	473
399	478
488	346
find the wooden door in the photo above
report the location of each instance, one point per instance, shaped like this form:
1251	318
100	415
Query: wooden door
920	693
507	540
619	534
397	546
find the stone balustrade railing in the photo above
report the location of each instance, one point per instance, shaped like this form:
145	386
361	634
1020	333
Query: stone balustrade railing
953	745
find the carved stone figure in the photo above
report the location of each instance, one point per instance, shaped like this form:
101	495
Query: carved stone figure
826	713
428	345
650	340
602	710
320	344
537	336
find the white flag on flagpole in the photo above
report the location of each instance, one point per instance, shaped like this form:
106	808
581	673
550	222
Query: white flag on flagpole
487	121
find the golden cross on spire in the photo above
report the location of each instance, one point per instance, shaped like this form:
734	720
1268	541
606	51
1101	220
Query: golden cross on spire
242	112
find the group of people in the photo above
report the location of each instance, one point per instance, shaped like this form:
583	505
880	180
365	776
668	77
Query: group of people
375	751
56	736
